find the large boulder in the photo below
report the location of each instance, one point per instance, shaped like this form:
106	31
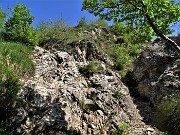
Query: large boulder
156	72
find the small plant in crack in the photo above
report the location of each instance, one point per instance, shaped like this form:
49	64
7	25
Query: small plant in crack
90	69
120	129
87	107
117	94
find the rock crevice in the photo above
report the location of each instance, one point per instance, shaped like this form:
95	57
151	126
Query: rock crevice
58	99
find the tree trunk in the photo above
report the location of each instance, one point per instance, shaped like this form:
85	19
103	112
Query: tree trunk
168	40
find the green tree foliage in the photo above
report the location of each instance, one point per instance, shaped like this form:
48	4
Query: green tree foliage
133	35
19	26
82	22
167	114
2	19
50	30
99	23
150	17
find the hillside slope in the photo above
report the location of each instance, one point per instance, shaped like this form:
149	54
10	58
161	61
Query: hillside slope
60	99
75	90
156	78
66	96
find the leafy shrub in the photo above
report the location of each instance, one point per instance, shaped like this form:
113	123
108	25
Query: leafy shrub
90	69
120	129
93	67
125	54
49	30
121	56
167	115
9	87
99	23
57	31
82	22
18	27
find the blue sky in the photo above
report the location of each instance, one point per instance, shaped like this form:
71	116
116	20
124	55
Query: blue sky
70	10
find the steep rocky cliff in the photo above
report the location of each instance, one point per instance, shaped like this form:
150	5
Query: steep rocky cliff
76	91
62	98
155	80
156	72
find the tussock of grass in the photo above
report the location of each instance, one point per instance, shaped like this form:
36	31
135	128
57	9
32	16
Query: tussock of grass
16	57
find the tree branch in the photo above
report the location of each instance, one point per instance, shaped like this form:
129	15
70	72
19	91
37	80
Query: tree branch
135	6
168	40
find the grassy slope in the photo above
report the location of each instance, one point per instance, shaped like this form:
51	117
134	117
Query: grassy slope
14	63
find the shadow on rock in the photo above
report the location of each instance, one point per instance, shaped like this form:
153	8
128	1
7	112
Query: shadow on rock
155	77
39	114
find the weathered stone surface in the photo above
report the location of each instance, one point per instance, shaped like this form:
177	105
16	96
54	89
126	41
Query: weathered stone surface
156	72
60	100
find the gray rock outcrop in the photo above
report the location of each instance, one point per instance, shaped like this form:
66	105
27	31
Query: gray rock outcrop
59	100
156	73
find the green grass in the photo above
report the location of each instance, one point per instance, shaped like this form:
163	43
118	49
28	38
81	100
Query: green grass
14	63
9	87
16	57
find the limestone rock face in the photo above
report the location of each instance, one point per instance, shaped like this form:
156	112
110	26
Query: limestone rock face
156	72
59	100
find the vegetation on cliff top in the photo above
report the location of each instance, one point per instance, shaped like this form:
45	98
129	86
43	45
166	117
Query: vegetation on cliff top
18	37
150	17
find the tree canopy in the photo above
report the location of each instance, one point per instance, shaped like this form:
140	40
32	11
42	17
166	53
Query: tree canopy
19	25
2	18
150	17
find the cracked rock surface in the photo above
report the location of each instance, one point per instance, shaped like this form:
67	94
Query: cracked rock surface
60	100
